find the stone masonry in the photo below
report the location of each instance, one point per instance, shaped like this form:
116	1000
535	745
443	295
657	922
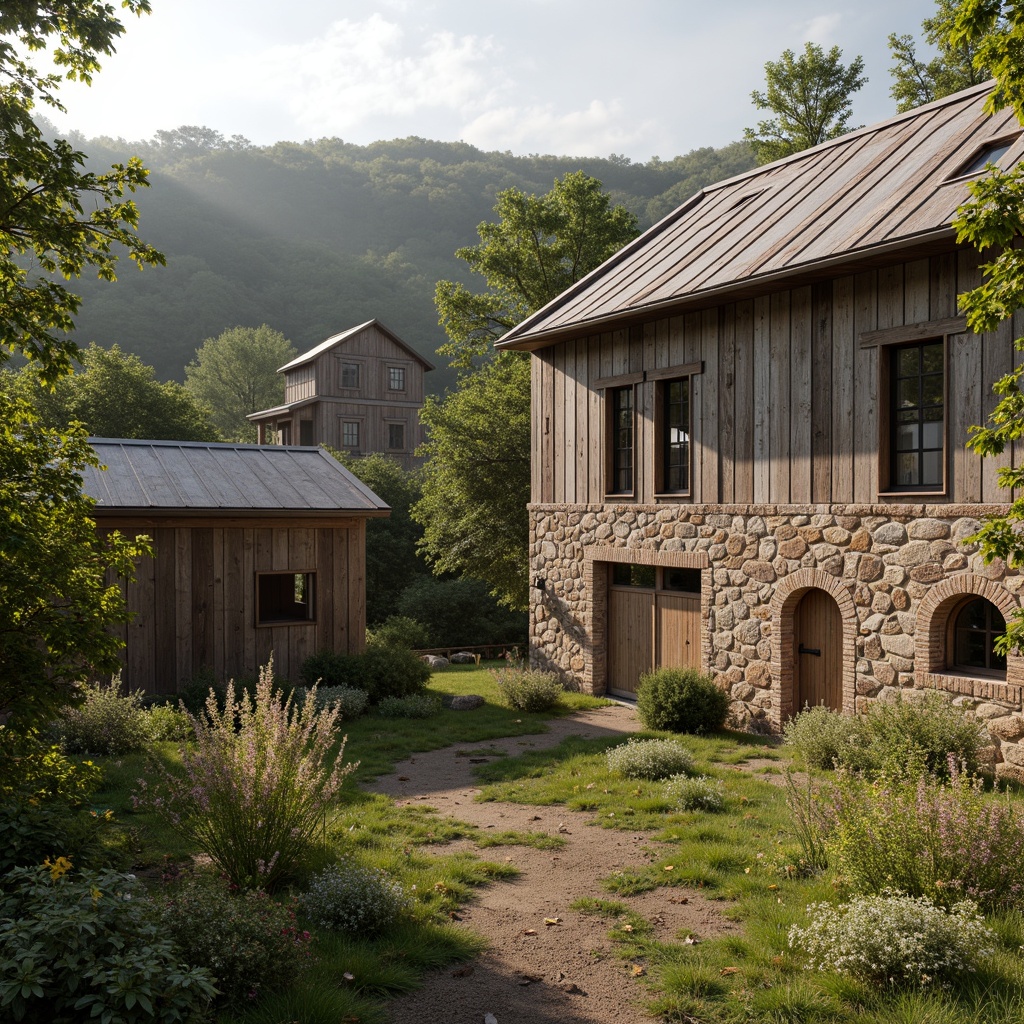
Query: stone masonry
895	572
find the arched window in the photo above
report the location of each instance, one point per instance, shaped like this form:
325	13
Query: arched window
975	624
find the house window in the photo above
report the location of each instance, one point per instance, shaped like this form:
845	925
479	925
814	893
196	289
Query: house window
350	434
396	378
628	575
686	581
350	375
285	597
306	432
975	626
673	412
916	417
284	433
622	440
396	436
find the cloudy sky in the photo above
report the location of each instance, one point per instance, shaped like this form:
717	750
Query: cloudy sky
574	77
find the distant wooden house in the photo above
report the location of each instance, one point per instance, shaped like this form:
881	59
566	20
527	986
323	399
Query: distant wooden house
360	391
749	432
258	549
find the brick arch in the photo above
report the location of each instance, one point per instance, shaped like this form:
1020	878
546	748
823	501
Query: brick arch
930	655
787	596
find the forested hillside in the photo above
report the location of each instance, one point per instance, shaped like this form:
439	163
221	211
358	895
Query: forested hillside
313	238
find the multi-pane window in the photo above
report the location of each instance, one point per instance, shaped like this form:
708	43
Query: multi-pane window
675	436
396	378
396	436
350	375
285	597
975	628
350	433
622	441
630	575
917	416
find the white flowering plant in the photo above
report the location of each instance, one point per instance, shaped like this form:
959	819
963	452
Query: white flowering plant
650	759
347	897
698	793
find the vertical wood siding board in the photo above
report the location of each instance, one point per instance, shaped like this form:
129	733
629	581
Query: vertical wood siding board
779	398
762	400
548	426
339	543
890	297
676	341
247	589
571	393
538	412
357	585
595	423
324	590
943	286
164	610
744	386
965	358
558	421
824	393
917	288
141	662
866	398
183	668
726	394
302	555
802	424
709	436
202	601
219	605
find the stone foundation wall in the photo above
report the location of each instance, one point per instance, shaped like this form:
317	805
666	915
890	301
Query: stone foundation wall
895	571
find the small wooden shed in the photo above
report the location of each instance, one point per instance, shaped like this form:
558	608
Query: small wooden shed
258	549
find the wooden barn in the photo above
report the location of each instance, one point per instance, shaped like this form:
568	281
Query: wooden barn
749	435
258	549
360	391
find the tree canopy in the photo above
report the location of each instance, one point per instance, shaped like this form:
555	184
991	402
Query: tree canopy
810	97
917	81
235	374
56	217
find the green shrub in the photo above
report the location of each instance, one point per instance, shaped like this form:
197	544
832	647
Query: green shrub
380	671
894	939
249	942
460	613
941	840
695	794
35	830
417	705
681	700
399	631
194	693
83	945
255	784
168	723
527	689
346	897
825	738
107	721
31	770
650	759
349	701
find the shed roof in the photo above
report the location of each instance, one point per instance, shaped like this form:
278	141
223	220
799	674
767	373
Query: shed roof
889	187
189	477
340	339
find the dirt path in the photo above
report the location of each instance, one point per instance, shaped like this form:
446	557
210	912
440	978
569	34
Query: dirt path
566	973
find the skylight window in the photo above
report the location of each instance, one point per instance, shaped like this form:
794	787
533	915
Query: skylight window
990	153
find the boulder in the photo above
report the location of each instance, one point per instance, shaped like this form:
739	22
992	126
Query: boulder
465	658
463	702
435	661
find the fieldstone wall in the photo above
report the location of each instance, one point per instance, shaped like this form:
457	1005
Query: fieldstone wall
895	572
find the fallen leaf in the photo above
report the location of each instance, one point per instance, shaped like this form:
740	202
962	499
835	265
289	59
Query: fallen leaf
638	971
529	931
349	977
772	887
669	867
552	920
726	971
403	778
627	927
691	940
591	785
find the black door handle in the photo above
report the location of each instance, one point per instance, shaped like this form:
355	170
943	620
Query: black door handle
810	650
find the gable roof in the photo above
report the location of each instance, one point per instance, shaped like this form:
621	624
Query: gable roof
854	200
340	339
190	477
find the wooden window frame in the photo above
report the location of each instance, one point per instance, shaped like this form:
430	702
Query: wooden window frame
396	423
310	603
952	666
661	448
358	424
391	371
358	367
611	429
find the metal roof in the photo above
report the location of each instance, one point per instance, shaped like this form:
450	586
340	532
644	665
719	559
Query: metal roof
875	190
189	476
339	339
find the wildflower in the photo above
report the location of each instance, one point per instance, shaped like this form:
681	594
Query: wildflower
58	868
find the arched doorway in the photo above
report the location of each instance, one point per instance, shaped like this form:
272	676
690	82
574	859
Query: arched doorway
817	651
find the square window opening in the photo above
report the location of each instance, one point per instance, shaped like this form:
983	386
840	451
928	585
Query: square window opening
285	597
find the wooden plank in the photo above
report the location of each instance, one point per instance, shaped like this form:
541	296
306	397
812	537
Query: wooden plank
164	610
917	331
865	433
707	433
822	394
802	384
997	360
917	296
302	638
843	391
558	422
202	602
744	460
727	406
581	407
537	414
356	589
220	665
630	637
183	634
964	357
325	596
547	403
676	631
140	653
779	398
943	287
264	556
247	577
568	452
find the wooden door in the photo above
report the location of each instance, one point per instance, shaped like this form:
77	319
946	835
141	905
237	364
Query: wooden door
630	637
818	652
677	631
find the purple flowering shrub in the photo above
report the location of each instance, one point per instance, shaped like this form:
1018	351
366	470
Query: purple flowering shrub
256	782
946	840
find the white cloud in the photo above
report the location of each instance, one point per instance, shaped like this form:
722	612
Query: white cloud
822	30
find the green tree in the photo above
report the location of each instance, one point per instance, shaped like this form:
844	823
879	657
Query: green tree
992	220
56	600
117	395
810	97
917	81
235	374
56	218
476	482
538	247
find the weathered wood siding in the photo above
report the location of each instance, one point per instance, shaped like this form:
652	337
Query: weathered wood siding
787	409
194	602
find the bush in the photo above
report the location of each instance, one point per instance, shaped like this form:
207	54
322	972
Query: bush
418	705
105	722
825	738
380	671
681	700
460	613
256	783
346	897
895	939
695	794
85	945
349	701
168	723
650	759
33	831
248	941
399	631
527	689
940	840
194	693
